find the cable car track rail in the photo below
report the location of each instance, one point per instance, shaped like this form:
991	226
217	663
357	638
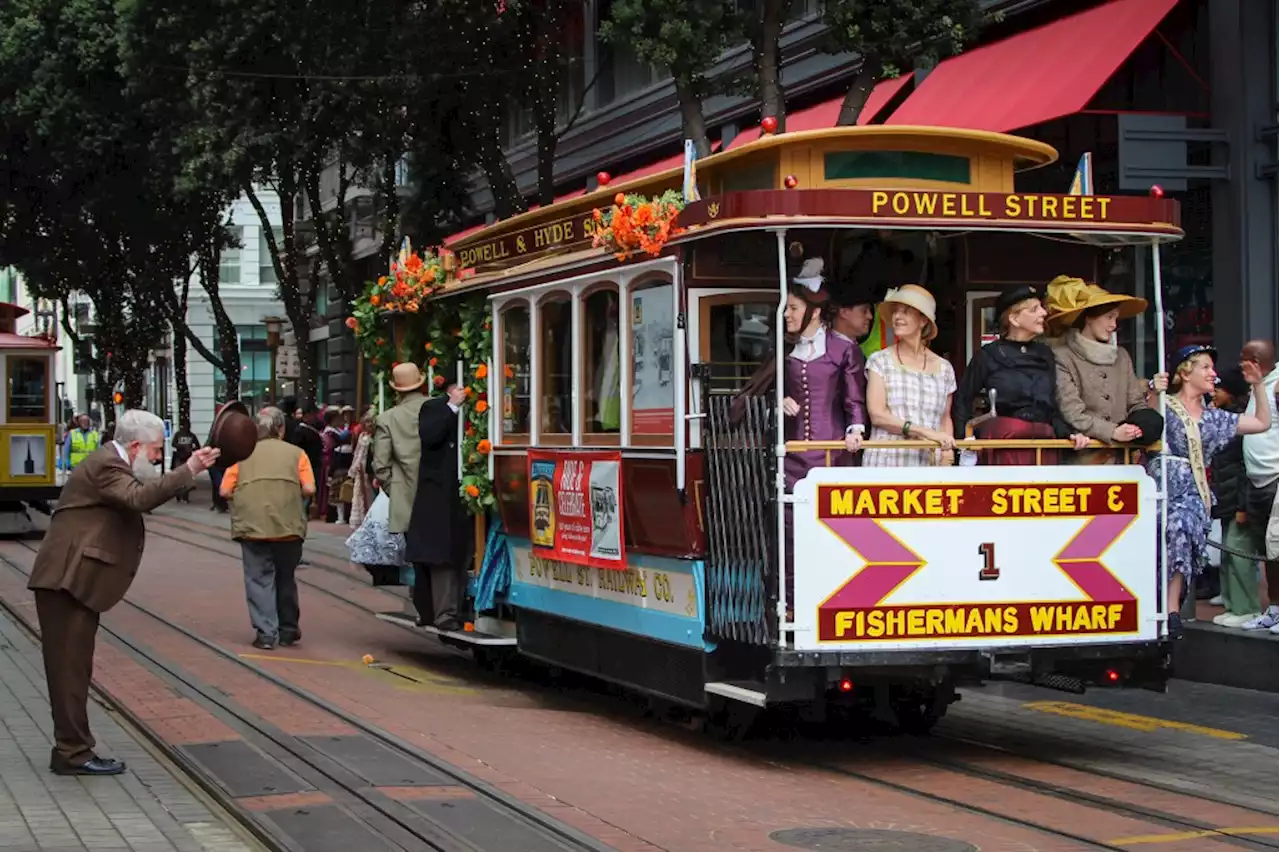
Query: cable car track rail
408	823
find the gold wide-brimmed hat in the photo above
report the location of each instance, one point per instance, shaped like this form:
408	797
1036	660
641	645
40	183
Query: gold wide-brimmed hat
407	377
1069	297
913	296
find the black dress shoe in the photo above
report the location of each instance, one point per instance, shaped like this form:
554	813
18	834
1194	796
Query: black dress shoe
92	766
449	625
287	639
264	643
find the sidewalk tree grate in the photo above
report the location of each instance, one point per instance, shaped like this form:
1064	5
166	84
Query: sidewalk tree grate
867	840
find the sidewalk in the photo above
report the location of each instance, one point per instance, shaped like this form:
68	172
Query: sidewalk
147	809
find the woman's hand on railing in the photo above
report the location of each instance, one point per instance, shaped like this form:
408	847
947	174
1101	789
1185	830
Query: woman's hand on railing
943	440
1079	441
853	440
1160	382
1125	432
790	407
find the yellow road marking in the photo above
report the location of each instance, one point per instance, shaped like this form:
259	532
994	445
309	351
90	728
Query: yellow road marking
418	680
277	659
1190	835
1131	721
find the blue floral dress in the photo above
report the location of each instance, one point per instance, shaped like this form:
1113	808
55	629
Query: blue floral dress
1189	505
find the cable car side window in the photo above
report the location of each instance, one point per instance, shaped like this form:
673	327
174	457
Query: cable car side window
517	380
28	390
653	386
737	337
601	366
555	356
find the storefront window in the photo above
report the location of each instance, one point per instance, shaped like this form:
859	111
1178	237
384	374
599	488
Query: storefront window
653	389
516	389
555	324
601	367
28	390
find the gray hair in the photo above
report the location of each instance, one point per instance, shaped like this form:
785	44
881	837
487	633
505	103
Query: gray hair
138	426
270	422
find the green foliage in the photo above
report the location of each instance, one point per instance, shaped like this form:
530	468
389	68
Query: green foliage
685	37
902	33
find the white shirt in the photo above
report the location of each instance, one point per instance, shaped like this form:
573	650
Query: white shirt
809	349
1262	452
124	454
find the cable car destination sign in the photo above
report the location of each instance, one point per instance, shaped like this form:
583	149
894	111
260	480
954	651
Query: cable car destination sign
973	556
571	232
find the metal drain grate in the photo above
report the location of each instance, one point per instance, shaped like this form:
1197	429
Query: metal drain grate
867	840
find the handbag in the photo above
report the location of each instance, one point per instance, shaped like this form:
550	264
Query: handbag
347	491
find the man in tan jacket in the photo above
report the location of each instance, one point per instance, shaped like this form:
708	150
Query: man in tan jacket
86	564
397	447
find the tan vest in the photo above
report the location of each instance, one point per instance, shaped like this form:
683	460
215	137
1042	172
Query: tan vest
267	502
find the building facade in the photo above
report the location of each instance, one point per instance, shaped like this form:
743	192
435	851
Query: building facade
1176	93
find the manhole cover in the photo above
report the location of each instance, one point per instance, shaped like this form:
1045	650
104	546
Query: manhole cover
868	840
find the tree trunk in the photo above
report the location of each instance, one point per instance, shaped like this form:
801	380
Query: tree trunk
179	360
209	259
856	98
695	123
135	385
285	261
507	200
773	96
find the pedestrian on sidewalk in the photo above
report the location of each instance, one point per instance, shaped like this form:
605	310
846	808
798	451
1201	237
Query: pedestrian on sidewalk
86	564
266	492
184	443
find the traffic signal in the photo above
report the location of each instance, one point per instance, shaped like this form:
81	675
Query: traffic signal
117	398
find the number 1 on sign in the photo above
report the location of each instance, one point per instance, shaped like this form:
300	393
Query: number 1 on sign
987	550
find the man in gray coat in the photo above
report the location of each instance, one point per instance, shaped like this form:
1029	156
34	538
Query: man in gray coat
397	448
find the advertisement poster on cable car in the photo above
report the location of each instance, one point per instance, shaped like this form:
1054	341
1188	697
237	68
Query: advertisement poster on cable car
941	558
575	507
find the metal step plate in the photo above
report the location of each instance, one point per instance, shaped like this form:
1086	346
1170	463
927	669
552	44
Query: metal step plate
466	637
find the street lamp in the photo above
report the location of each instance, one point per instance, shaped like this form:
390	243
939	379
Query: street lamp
273	325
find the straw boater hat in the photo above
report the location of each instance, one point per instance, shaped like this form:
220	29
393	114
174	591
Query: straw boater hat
913	296
406	378
1069	297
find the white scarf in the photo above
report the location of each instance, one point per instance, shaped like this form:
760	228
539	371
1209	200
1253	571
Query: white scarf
1093	351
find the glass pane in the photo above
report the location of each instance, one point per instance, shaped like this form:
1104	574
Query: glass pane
601	371
229	273
556	355
653	390
28	388
516	390
740	338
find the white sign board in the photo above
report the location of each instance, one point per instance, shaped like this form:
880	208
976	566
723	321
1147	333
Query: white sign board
974	557
287	366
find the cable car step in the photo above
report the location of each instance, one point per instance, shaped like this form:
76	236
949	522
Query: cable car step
478	636
747	692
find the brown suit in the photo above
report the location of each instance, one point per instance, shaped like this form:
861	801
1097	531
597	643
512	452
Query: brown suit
85	565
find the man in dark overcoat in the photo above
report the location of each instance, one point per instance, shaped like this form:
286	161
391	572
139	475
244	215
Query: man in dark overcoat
87	562
437	542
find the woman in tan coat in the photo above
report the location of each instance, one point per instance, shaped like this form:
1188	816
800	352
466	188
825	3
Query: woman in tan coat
1098	391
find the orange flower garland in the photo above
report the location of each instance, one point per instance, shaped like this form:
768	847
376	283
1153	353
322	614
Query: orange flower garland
637	224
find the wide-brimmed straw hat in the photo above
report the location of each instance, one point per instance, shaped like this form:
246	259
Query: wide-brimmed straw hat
406	378
1069	297
913	296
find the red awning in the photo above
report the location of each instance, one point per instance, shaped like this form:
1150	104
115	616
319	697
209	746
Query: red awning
880	96
817	117
1036	76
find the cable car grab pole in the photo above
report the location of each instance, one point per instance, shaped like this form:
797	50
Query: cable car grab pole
780	448
1162	493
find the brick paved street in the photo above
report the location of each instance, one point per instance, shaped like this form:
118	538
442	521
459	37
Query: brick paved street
591	760
146	810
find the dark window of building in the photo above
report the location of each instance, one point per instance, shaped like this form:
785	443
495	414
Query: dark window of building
848	165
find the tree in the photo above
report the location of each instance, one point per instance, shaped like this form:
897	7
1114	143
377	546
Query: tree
763	21
686	38
891	36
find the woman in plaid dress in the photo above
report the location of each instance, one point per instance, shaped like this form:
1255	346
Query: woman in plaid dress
909	387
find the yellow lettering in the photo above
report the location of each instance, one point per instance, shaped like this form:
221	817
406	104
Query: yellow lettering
1012	207
1069	210
926	203
901	203
1114	612
866	503
1114	503
1048	207
933	502
948	205
992	621
953	495
1103	203
1010	619
1084	492
875	623
911	504
934	622
1086	206
841	501
844	623
915	622
878	199
1041	618
999	501
888	502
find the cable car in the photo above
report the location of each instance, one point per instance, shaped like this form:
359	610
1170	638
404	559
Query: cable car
29	477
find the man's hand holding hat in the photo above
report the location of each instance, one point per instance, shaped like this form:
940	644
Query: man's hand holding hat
203	459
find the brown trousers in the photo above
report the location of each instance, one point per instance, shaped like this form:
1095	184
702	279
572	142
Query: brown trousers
68	630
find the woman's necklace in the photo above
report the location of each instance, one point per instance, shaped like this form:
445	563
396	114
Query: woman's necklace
924	357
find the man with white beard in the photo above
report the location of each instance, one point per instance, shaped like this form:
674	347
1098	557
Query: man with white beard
86	564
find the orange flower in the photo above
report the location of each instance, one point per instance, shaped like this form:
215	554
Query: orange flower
620	199
382	280
433	362
375	300
482	407
428	346
509	371
484	447
482	371
352	323
472	491
470	392
439	381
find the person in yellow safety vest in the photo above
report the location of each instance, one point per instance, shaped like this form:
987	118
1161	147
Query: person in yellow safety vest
81	441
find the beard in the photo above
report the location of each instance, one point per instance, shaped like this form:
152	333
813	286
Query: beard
144	470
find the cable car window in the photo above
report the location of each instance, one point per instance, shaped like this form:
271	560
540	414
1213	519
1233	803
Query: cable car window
653	388
516	380
739	336
28	392
555	353
601	367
